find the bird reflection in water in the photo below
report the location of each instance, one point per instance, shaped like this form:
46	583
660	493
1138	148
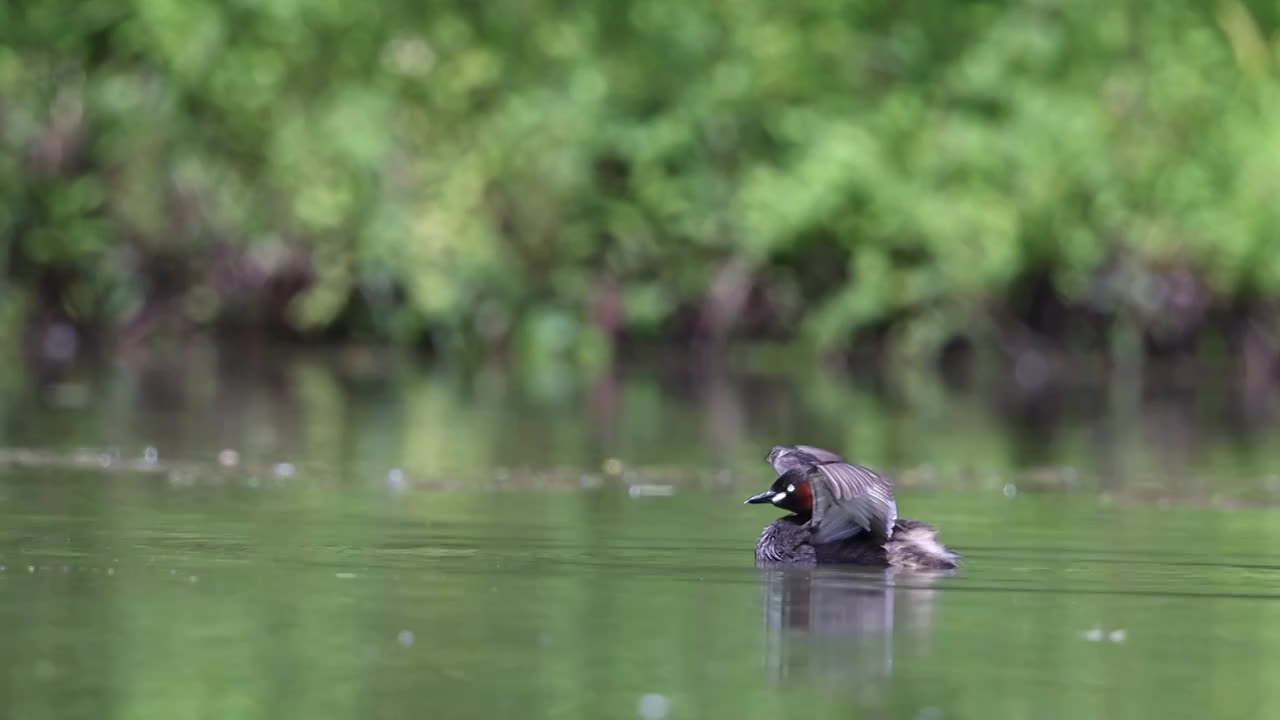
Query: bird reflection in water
840	624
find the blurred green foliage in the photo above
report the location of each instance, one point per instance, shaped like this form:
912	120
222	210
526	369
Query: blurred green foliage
548	175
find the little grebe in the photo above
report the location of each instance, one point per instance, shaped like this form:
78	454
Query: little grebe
843	513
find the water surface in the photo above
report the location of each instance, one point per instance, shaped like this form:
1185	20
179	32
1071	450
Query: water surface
401	544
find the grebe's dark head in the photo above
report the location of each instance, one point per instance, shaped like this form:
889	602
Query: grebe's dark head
791	491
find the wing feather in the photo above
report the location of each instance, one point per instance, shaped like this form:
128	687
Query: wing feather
789	457
851	498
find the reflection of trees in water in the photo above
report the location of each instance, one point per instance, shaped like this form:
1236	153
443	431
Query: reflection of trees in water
841	626
365	413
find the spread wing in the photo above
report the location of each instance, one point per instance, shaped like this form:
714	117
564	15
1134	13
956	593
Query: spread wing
788	457
848	499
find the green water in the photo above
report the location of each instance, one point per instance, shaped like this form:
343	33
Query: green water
462	548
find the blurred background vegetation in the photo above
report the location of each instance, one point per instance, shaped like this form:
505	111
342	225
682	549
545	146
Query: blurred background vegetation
560	180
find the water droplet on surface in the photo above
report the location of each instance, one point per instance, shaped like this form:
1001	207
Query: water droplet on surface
650	490
654	706
405	638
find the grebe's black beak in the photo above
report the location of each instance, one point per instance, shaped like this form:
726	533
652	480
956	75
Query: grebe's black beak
764	497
